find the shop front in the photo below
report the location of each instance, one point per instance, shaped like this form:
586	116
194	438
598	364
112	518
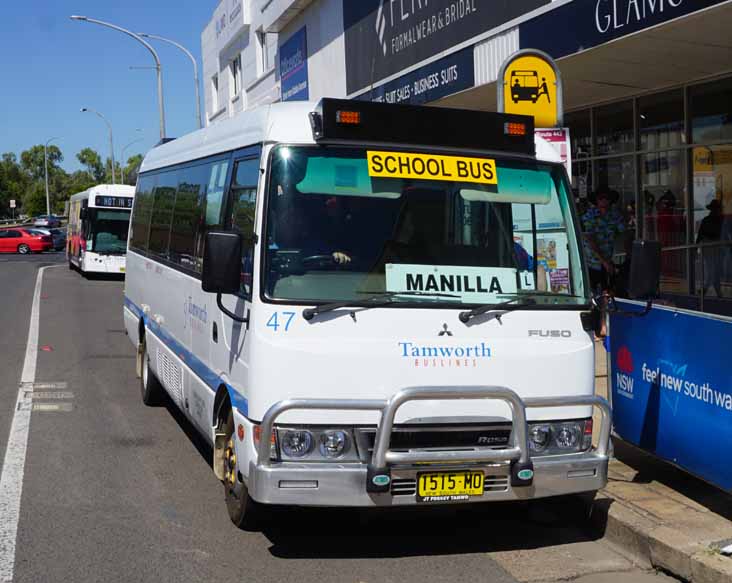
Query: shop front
647	91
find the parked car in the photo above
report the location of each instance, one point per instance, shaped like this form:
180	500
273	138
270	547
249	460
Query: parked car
47	221
24	241
59	238
58	235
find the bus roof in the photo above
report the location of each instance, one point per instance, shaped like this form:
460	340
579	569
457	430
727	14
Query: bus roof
291	123
277	122
105	190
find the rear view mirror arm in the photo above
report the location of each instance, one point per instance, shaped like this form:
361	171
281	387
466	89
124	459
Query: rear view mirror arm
231	315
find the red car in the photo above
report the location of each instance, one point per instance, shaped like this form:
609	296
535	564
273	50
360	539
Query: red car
24	241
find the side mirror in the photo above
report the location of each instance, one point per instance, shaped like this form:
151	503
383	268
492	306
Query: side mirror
82	214
222	262
645	269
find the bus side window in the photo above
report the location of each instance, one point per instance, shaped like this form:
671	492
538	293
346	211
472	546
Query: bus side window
215	194
162	213
142	212
243	205
188	213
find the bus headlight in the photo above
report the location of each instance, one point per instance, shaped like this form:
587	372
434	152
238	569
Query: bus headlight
316	445
561	437
296	443
333	444
539	437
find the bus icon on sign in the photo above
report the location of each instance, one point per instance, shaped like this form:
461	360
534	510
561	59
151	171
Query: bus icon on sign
525	86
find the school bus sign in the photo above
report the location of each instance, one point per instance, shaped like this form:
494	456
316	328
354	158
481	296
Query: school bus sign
530	84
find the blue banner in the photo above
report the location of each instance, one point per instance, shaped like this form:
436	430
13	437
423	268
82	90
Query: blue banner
583	24
444	77
671	384
294	67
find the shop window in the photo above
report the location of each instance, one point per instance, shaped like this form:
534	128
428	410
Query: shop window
578	123
614	128
661	120
580	135
663	196
711	114
712	184
618	176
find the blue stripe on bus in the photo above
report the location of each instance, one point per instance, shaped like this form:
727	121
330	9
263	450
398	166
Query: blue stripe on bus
197	366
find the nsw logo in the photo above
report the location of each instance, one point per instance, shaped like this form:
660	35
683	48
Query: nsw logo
624	380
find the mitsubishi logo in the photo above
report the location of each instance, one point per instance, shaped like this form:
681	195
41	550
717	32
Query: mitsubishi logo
445	331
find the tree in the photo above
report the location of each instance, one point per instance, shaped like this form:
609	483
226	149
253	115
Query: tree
34	195
132	168
13	183
33	163
34	199
92	161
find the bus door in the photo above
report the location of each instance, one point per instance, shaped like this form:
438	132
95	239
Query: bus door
229	352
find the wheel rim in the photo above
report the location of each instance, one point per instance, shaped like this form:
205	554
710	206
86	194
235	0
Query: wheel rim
230	465
144	368
23	249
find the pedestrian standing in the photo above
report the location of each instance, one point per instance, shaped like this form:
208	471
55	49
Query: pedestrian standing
710	231
602	224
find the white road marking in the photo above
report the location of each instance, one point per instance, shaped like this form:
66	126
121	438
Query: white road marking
46	407
50	386
43	395
11	478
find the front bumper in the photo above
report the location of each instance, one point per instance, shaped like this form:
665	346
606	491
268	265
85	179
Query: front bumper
510	473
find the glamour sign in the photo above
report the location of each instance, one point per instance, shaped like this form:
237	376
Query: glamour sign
616	14
584	24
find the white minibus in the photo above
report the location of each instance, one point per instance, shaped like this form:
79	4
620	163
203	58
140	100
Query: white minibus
364	304
99	221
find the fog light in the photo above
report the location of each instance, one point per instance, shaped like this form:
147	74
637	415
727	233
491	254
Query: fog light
333	443
297	443
539	437
568	437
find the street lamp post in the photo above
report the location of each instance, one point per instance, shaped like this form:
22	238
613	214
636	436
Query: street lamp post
158	68
122	161
195	70
45	168
111	139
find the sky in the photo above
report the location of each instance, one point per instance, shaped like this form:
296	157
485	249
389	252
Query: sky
52	66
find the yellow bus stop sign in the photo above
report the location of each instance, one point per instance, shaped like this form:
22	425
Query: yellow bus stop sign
530	84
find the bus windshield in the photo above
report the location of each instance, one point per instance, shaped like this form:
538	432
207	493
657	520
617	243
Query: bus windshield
339	227
107	230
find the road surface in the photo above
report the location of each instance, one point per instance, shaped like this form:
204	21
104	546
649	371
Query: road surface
112	490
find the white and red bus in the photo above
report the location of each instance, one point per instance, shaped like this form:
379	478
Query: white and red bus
99	220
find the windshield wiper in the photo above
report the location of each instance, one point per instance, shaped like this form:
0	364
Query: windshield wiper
511	304
386	298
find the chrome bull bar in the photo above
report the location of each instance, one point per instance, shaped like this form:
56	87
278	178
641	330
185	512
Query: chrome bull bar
379	473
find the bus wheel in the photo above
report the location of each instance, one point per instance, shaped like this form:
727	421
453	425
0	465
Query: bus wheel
150	387
244	512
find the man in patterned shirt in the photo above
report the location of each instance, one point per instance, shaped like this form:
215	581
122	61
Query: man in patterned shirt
602	224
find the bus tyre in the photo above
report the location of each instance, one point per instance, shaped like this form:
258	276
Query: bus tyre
244	512
150	387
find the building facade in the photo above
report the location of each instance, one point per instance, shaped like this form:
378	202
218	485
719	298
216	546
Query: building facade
647	85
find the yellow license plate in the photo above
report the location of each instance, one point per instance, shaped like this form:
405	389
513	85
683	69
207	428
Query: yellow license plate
449	486
122	269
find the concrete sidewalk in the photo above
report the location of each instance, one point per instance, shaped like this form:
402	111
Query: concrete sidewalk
662	516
